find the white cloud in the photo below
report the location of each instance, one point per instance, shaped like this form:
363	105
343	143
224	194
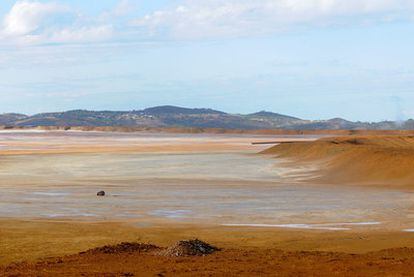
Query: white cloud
33	22
26	17
214	18
42	22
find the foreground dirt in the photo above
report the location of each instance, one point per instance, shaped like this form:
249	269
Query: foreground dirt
227	262
51	248
25	246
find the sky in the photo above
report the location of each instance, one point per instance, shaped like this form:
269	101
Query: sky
314	59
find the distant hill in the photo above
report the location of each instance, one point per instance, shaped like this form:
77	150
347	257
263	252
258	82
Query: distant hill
265	114
172	116
166	110
7	118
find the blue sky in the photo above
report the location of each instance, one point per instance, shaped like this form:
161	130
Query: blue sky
314	59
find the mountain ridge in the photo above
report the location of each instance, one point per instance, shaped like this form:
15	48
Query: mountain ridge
174	116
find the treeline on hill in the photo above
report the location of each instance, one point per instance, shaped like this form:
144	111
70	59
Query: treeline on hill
178	117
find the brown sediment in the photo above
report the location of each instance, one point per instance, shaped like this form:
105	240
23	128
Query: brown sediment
376	160
229	262
34	239
380	160
244	251
269	262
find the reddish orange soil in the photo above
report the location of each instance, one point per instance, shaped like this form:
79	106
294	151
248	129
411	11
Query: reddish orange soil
244	251
228	262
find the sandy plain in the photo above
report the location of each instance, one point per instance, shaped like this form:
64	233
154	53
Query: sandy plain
262	211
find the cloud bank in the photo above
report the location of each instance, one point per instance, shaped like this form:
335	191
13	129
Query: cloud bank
35	22
214	18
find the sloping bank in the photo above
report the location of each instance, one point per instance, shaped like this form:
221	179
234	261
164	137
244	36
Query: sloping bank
377	160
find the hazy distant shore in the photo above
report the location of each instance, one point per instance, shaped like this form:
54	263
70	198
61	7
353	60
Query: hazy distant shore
191	130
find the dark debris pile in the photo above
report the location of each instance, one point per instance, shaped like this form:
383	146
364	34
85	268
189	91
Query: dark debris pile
124	247
194	247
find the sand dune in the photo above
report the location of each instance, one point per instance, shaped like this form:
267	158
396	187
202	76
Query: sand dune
378	160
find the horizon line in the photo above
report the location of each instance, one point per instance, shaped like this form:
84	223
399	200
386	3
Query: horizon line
201	108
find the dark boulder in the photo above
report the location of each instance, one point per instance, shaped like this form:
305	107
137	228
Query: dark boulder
101	193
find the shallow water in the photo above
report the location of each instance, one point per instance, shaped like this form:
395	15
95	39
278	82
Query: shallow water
220	188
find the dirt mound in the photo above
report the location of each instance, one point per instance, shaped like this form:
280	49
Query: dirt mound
380	160
194	247
377	141
353	141
124	247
